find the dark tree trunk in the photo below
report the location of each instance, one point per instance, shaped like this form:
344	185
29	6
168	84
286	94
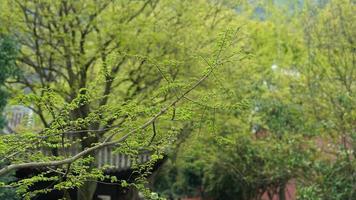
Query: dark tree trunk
86	191
282	192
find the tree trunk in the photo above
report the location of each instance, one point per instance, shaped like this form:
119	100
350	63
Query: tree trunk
132	194
66	195
282	192
87	190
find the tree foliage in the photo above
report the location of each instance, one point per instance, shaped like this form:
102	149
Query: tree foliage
107	73
8	53
242	97
298	122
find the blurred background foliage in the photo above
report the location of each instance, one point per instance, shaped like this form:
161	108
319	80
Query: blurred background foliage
296	119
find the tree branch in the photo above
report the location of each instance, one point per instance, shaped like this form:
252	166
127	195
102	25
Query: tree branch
87	151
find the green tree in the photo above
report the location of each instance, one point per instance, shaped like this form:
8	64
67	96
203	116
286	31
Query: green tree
104	71
330	96
8	53
299	122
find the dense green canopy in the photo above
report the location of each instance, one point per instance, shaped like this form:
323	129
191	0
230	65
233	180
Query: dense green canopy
233	99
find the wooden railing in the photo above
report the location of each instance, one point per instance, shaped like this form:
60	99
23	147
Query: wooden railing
20	115
16	116
106	157
117	161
